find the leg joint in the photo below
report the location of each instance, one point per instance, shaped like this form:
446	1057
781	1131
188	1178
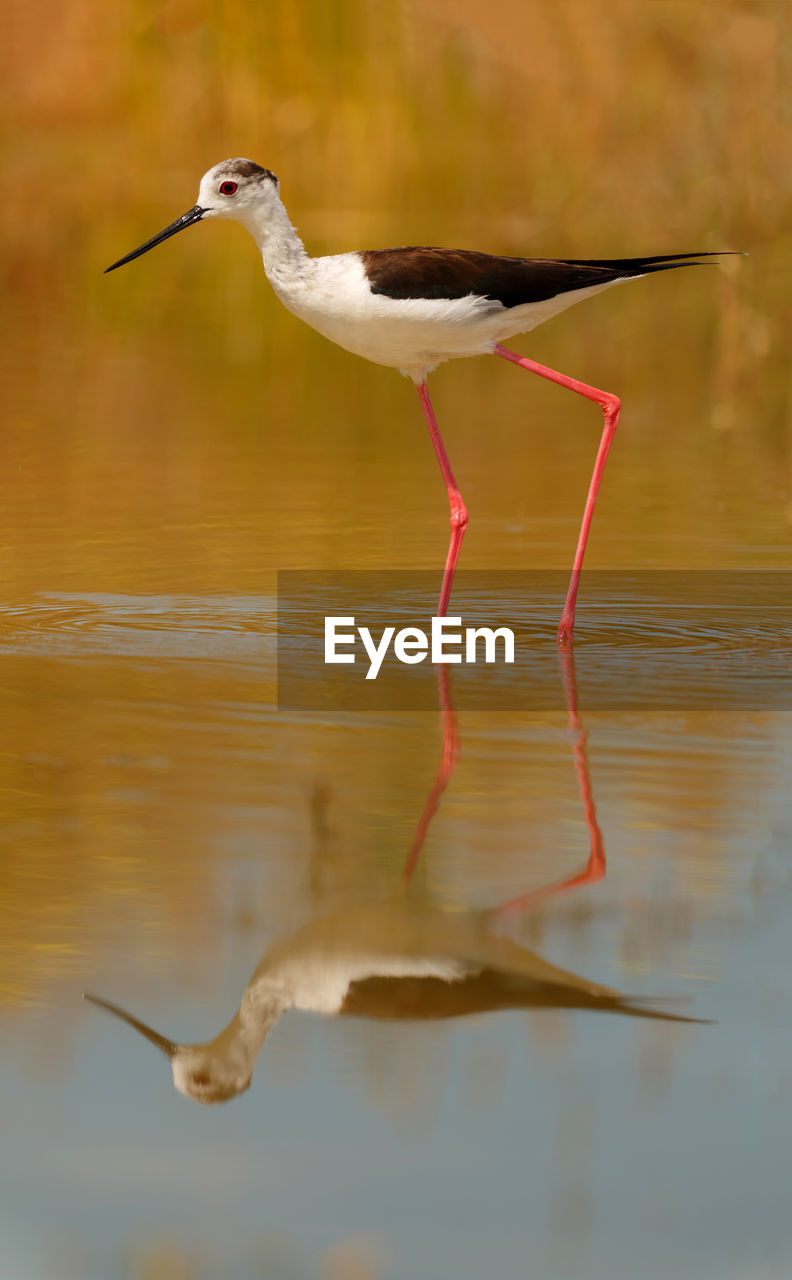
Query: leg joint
459	515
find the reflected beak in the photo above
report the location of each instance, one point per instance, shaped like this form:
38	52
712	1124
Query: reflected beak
186	220
167	1046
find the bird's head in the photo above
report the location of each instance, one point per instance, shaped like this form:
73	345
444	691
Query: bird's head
237	189
208	1073
233	188
198	1074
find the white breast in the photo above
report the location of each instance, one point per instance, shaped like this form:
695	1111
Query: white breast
334	297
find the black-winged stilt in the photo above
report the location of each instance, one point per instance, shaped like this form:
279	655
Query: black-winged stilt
413	308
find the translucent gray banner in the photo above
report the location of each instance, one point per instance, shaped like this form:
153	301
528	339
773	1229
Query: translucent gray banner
681	640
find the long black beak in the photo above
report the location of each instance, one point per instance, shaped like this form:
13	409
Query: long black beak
186	220
167	1046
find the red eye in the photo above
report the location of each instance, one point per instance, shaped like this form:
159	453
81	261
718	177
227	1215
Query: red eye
228	188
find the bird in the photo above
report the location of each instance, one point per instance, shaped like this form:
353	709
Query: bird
412	308
388	960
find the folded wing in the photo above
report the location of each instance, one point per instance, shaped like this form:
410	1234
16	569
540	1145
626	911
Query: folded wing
415	272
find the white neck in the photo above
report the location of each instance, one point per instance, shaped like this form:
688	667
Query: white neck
261	1007
282	250
240	1042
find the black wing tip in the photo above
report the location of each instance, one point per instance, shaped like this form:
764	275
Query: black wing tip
658	262
702	253
670	262
695	259
657	1008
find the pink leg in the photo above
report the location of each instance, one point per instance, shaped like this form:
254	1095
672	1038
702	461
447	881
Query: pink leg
459	515
447	765
595	867
610	406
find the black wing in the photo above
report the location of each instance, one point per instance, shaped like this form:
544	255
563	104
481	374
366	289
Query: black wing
415	272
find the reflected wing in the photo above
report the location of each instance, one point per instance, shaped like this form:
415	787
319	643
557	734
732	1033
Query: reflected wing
423	999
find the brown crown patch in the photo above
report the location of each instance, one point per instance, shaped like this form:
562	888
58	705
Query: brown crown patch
241	168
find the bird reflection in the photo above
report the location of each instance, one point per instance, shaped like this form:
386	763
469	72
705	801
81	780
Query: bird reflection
398	959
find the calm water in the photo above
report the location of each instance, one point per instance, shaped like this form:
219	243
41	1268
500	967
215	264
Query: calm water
172	440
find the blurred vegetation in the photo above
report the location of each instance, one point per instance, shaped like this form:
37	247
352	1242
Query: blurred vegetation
606	123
